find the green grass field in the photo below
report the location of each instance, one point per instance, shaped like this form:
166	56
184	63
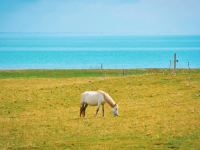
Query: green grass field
86	73
39	109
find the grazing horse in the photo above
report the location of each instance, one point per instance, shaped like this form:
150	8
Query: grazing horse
97	98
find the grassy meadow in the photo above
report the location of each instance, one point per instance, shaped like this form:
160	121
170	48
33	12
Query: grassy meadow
39	109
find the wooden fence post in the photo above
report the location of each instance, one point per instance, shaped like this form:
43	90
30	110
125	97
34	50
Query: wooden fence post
175	63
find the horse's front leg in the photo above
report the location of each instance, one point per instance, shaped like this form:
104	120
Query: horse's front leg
97	110
103	110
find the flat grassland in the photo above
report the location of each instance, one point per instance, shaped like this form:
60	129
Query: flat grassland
39	109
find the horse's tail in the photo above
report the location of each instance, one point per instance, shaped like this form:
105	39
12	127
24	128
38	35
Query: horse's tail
108	98
82	99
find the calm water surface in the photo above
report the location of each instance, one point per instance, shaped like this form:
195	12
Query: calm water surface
58	51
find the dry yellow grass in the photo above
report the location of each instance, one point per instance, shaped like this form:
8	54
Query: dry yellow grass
157	111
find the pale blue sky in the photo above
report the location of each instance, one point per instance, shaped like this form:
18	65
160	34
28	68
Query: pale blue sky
112	17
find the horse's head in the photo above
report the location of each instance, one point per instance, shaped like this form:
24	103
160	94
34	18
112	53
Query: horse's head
115	110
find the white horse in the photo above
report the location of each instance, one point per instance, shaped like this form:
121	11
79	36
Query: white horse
97	98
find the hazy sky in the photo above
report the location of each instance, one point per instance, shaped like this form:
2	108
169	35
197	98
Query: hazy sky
135	17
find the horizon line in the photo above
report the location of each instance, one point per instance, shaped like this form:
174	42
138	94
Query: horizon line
98	34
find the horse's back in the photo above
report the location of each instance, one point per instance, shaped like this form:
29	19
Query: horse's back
92	97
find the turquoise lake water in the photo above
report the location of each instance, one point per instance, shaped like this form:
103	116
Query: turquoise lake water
59	51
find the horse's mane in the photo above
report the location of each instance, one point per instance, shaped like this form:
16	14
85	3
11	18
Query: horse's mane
108	98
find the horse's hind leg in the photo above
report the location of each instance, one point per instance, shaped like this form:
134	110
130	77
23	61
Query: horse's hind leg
84	109
81	109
